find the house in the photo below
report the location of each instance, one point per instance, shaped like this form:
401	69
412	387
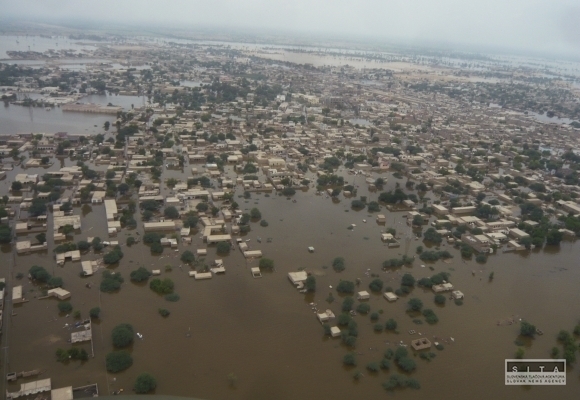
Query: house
390	296
159	226
335	331
17	295
325	316
457	295
256	272
363	295
444	287
297	278
518	234
59	293
421	344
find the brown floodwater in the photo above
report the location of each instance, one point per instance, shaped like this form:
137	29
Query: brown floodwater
264	331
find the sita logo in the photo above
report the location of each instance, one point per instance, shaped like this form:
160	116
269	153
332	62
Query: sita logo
541	367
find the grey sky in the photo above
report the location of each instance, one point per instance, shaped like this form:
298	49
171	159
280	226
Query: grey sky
542	25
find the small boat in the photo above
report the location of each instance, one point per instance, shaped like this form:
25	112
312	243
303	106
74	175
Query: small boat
140	336
365	221
259	239
452	339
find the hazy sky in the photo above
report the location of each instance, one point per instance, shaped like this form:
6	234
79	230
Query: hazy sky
543	25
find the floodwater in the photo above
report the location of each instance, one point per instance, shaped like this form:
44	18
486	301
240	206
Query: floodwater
264	331
18	119
117	100
40	44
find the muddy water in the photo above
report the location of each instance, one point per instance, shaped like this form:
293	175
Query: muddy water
264	331
17	119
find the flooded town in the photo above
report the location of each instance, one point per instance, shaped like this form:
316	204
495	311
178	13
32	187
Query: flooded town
218	218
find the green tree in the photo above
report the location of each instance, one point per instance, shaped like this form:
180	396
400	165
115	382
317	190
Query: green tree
145	383
171	212
164	286
17	186
391	324
118	361
95	312
415	304
266	263
223	248
527	329
64	307
347	303
187	257
345	287
349	359
338	264
141	274
122	335
255	214
37	207
41	237
376	285
440	299
310	283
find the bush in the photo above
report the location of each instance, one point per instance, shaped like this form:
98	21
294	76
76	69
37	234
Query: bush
187	257
288	191
223	248
118	361
55	282
406	364
64	307
140	275
378	327
376	285
255	213
363	308
310	284
159	286
345	287
145	383
415	304
266	263
172	297
164	312
527	329
349	359
122	335
408	280
385	363
373	366
131	241
391	324
481	258
95	312
338	264
343	319
430	316
264	223
440	299
348	340
374	316
347	303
